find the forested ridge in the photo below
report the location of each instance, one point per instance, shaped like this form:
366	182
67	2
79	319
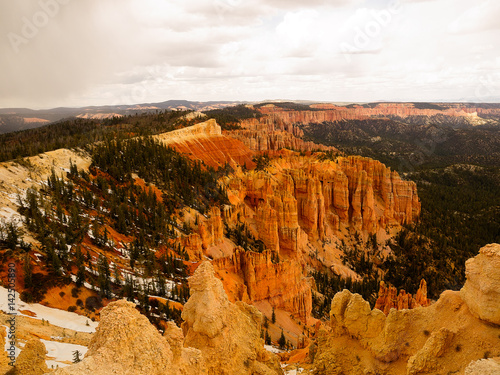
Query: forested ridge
73	217
79	132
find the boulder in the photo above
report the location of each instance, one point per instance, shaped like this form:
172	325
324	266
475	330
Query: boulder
481	291
227	334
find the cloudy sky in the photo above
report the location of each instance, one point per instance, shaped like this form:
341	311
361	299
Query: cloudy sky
94	52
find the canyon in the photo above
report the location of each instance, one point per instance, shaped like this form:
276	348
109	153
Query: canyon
251	261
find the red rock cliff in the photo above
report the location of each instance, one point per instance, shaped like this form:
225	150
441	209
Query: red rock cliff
298	198
205	142
285	119
257	278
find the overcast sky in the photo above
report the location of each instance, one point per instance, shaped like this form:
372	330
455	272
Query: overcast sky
94	52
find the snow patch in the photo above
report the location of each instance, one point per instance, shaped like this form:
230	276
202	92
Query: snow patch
60	318
272	349
60	352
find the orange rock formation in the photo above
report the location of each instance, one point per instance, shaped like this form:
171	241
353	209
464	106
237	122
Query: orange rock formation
295	202
257	278
205	142
261	140
331	112
388	298
302	195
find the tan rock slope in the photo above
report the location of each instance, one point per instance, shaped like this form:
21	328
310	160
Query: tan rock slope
481	291
227	334
220	338
126	343
440	339
484	367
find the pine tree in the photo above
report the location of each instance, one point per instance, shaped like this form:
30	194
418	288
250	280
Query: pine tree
282	341
267	338
28	272
80	276
266	322
103	279
76	356
117	275
273	317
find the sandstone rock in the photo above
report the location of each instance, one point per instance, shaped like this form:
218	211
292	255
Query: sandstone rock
481	291
360	320
193	245
205	142
421	296
262	140
189	361
282	284
388	298
126	343
4	360
31	360
484	367
294	203
425	360
282	118
211	230
439	339
227	334
351	192
353	313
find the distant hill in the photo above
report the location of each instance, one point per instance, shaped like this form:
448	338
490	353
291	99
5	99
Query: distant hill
14	119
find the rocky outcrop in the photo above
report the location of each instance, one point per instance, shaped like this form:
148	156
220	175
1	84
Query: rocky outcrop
388	298
284	118
441	338
31	360
192	243
484	367
258	277
205	142
276	140
303	194
126	343
426	359
227	334
211	229
481	291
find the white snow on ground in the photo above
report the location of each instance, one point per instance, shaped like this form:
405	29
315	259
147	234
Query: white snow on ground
8	214
61	352
272	349
60	318
294	371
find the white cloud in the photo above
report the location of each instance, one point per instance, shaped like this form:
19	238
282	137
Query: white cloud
111	51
